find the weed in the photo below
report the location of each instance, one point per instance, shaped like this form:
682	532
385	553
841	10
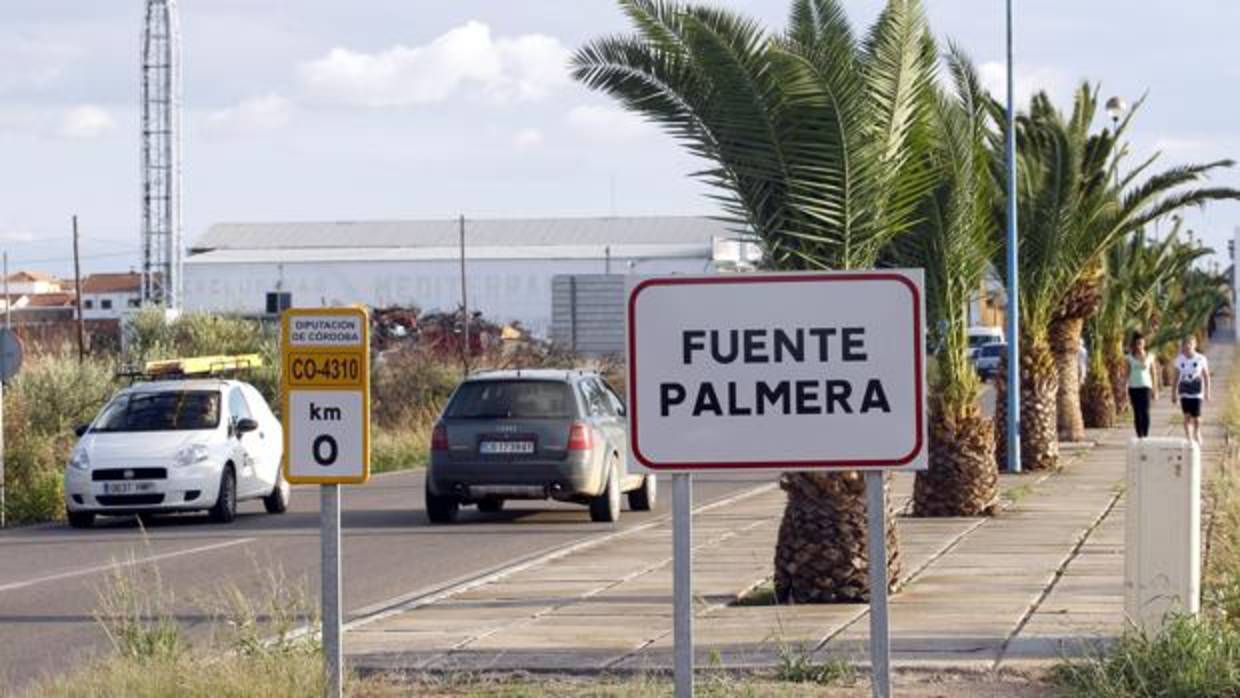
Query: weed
1190	658
796	664
762	594
135	611
1018	492
268	623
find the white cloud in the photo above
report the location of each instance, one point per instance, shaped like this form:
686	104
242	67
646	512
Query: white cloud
527	139
14	235
1181	147
86	122
1029	79
33	62
266	113
607	123
466	58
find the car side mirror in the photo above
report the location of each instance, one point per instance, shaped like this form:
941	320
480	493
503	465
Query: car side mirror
245	425
81	429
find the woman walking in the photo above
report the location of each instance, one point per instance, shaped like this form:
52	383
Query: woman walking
1142	388
1192	386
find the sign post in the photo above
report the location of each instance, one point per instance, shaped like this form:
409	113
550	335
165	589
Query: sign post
325	361
682	581
777	372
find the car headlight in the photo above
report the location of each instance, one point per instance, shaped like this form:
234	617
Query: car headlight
191	454
79	459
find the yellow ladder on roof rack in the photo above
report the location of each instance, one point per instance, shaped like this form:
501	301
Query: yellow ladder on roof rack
203	365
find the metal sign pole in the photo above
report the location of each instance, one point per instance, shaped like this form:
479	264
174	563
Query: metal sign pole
682	591
2	493
333	664
880	640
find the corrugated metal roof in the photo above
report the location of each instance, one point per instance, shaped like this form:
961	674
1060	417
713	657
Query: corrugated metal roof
418	254
483	232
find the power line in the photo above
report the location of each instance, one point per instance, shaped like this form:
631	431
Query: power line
51	260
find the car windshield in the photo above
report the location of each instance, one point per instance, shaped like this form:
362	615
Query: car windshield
977	340
521	399
173	410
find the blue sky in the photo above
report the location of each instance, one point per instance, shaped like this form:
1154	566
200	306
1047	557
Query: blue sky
320	109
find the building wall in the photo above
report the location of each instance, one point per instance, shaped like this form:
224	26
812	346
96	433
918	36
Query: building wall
503	290
120	305
31	287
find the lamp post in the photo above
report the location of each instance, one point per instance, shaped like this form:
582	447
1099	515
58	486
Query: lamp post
1116	107
1013	272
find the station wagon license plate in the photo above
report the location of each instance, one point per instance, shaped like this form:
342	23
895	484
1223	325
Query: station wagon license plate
127	487
505	447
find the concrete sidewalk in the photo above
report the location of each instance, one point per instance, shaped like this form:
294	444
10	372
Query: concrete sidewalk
1040	581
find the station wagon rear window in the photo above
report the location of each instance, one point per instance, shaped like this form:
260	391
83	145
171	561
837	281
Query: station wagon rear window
163	411
512	399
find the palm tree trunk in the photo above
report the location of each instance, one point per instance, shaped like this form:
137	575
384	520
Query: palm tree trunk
962	479
821	555
1039	381
1065	340
1098	401
1119	385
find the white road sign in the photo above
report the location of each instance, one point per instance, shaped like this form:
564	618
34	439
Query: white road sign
326	409
778	371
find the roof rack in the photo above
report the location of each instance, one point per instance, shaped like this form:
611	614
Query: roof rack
193	367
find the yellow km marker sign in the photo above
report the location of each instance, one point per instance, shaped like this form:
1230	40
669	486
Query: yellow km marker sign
325	354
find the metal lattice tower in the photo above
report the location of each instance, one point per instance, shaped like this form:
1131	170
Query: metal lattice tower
161	155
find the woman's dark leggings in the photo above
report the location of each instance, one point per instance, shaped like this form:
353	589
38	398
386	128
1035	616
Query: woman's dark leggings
1140	399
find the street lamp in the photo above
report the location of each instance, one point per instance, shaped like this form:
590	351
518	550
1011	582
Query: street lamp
1013	271
1116	106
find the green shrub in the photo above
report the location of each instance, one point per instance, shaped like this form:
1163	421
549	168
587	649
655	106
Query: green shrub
42	404
150	337
407	382
403	444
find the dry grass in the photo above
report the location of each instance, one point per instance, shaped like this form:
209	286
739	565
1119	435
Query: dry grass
204	675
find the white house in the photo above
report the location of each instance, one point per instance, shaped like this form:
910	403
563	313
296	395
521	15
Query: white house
25	283
111	296
258	268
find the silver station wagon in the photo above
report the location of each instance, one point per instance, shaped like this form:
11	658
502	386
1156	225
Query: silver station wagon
533	434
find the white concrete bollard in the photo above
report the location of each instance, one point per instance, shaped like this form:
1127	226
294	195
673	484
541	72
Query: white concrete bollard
1162	532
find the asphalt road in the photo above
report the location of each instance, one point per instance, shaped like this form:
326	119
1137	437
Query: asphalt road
51	576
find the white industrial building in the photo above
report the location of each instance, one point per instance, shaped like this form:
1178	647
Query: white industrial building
509	264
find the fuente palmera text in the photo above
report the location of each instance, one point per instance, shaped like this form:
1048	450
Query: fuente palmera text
803	345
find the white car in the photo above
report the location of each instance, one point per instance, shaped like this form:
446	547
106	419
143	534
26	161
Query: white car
177	445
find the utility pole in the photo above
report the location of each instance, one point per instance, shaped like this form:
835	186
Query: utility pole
464	302
8	302
77	285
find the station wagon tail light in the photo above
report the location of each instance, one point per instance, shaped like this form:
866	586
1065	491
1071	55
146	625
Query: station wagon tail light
579	438
439	438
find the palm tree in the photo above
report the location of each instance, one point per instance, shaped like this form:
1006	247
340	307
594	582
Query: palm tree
1071	212
953	244
814	141
1191	302
1140	275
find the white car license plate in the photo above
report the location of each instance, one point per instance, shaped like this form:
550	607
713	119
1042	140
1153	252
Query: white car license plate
127	487
506	447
